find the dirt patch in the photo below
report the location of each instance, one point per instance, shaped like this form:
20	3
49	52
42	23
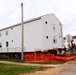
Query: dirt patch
71	62
47	71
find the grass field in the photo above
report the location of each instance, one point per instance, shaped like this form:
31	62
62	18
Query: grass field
7	69
11	59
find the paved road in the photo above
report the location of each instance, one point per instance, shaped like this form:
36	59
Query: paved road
70	71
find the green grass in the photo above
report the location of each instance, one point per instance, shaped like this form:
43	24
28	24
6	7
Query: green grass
74	59
57	63
12	60
51	63
6	69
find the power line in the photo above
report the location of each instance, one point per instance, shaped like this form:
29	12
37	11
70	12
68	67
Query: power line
3	18
9	14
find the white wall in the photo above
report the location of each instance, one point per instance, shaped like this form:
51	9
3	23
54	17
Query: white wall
13	38
51	33
33	35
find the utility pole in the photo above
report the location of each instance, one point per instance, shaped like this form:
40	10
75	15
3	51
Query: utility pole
22	25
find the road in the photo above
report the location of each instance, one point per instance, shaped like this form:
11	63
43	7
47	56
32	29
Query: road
70	71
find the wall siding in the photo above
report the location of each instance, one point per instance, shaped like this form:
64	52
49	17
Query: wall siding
35	33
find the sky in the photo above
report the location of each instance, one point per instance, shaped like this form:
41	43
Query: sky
65	11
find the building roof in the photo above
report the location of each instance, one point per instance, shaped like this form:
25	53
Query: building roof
34	19
74	37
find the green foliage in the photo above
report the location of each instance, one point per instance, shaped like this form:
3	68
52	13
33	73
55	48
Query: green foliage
6	69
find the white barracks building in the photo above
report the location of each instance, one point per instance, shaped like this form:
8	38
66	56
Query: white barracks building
41	33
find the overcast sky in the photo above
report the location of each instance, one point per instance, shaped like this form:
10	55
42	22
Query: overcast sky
65	10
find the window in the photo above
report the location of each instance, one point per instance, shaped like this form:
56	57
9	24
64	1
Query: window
46	37
54	41
45	22
0	45
11	28
6	32
59	23
11	40
0	33
54	27
7	44
59	36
